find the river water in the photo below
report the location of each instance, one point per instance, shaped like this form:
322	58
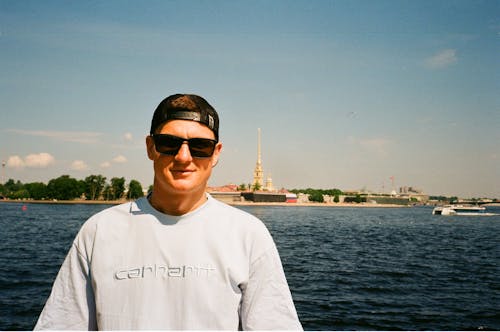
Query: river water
348	268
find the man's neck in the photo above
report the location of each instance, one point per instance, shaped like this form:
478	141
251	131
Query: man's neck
176	204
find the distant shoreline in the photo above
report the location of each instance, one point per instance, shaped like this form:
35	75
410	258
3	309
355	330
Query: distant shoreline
230	203
311	204
360	205
32	201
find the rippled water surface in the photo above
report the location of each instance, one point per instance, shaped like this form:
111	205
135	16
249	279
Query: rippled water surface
348	268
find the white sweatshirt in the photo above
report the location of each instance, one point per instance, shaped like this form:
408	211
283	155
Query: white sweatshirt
132	267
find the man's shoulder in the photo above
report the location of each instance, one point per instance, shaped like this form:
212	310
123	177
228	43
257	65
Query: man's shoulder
108	220
117	213
120	209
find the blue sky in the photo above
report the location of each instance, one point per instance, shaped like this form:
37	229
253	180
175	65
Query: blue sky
346	93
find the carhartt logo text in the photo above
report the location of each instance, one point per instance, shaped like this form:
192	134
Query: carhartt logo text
164	271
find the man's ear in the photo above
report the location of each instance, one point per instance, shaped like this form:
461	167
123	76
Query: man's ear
216	155
150	148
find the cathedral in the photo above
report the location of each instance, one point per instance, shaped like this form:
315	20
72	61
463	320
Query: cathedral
258	173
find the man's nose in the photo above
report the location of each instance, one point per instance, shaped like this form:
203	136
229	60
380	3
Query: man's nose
183	154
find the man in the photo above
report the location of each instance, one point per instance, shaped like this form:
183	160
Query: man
178	259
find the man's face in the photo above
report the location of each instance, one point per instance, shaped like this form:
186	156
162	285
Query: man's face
182	173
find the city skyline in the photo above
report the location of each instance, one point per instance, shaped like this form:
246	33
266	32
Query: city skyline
347	93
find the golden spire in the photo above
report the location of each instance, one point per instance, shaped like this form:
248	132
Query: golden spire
258	174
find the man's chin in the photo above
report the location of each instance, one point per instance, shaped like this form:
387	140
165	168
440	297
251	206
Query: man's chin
183	185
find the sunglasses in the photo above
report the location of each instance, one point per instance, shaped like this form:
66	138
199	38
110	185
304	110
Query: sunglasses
170	145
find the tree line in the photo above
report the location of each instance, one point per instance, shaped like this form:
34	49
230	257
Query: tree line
316	195
93	187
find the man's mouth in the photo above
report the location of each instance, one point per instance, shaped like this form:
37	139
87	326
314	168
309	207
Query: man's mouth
182	171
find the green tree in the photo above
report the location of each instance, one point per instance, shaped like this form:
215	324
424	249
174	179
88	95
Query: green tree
316	196
309	191
107	192
333	192
357	199
256	187
11	186
37	190
94	185
118	187
336	198
20	194
242	187
64	188
134	189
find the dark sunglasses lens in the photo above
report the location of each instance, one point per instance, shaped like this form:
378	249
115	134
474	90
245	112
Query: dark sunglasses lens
201	147
170	145
166	144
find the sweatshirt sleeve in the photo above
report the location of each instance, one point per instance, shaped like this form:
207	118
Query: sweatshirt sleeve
71	304
266	299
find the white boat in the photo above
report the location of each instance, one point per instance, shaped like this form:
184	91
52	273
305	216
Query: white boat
461	210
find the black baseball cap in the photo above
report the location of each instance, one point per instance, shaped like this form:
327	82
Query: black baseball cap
186	107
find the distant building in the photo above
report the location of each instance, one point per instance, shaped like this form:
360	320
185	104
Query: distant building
228	193
291	198
413	194
269	183
410	190
258	173
261	197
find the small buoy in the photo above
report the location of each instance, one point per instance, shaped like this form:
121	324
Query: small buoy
24	208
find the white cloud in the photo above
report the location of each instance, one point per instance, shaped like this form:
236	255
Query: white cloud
15	162
36	160
105	164
442	59
119	159
66	136
128	137
79	165
40	160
